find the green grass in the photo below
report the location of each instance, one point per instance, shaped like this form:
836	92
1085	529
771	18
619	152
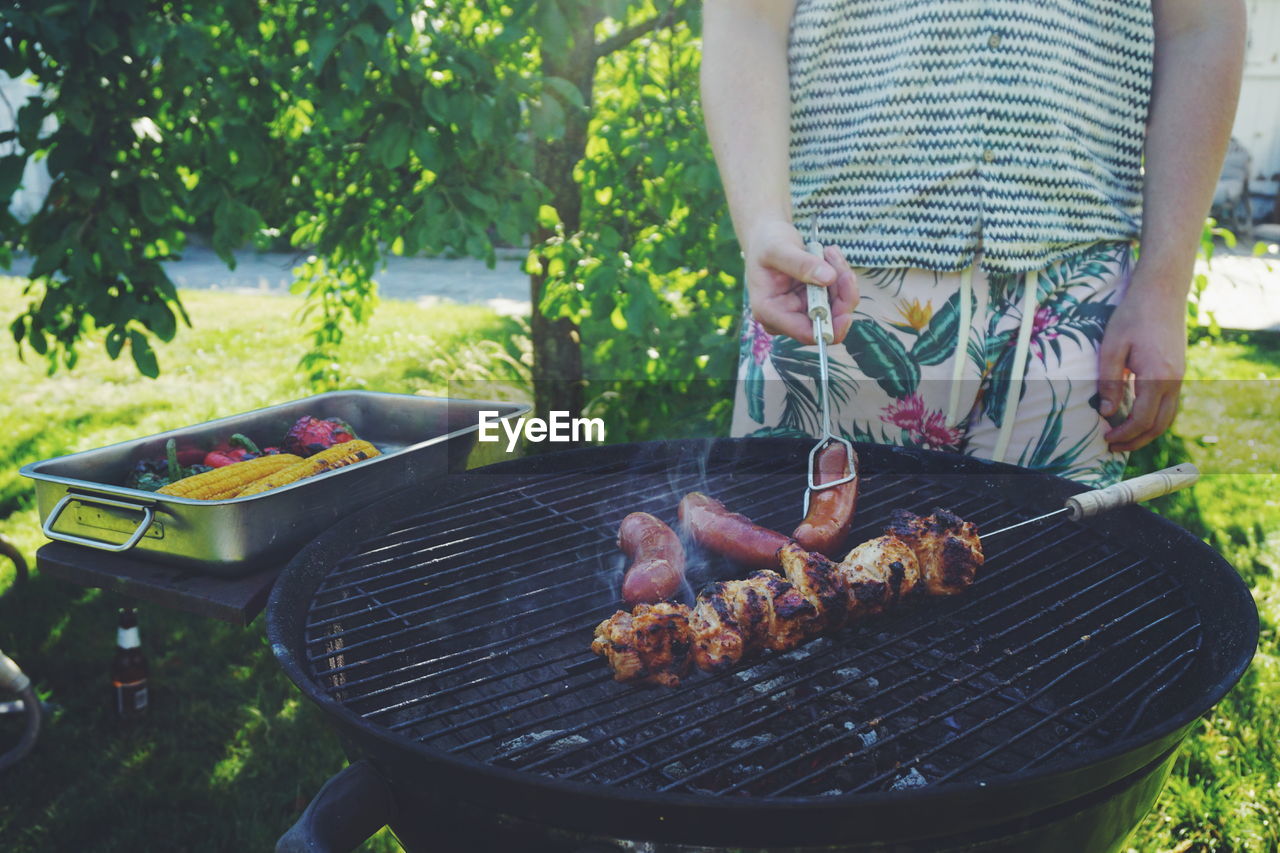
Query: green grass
230	752
1224	794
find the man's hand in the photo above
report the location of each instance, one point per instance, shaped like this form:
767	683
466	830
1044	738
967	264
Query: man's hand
777	269
1147	336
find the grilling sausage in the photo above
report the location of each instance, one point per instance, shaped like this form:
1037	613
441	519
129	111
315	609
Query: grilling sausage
729	533
830	515
657	568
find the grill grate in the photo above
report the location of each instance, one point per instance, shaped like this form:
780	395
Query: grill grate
466	628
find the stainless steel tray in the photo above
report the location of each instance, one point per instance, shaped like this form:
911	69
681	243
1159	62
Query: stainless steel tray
420	438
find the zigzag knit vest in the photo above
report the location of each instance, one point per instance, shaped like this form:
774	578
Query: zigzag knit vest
921	128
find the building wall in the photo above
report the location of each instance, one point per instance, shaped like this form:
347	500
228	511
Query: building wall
35	179
1257	124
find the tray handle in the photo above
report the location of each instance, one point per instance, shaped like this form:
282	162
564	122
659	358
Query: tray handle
148	516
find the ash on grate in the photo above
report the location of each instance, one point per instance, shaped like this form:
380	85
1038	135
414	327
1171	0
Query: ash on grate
809	649
913	779
551	741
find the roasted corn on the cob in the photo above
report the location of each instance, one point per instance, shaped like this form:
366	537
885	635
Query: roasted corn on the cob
337	456
229	480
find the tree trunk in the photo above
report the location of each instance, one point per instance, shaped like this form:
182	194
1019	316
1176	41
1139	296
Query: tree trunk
558	380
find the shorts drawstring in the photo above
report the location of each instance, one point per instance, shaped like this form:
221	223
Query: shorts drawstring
962	345
1029	284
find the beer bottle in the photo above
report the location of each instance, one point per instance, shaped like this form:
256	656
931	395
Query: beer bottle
129	668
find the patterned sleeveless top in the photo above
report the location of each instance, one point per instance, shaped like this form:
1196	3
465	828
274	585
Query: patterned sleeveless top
921	128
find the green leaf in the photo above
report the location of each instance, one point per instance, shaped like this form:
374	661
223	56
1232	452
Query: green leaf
161	322
154	206
102	39
322	47
233	222
755	392
880	355
143	356
553	26
11	168
938	340
30	120
548	216
997	391
548	118
363	31
480	200
36	337
1091	319
393	144
424	145
115	342
49	259
568	92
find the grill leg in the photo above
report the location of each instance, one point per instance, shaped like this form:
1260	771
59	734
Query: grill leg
353	805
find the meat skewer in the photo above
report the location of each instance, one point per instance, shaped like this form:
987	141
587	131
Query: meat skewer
732	620
938	554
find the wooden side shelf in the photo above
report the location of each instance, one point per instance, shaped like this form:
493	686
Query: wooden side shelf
236	600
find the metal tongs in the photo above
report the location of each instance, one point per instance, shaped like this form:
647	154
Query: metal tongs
823	333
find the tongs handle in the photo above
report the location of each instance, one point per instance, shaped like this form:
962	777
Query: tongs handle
819	296
1132	491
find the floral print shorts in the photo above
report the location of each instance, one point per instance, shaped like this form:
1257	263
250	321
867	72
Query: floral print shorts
1010	376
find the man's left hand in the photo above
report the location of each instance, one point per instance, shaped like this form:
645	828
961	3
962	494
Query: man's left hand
1146	337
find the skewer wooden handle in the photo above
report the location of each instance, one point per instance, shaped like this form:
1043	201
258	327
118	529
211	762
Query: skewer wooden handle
1133	491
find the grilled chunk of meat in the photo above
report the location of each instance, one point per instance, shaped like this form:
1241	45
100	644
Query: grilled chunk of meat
789	616
879	573
651	644
718	641
945	545
750	608
764	610
818	581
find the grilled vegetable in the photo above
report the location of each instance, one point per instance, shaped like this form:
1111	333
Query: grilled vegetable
148	475
177	470
339	455
239	448
227	481
310	435
152	474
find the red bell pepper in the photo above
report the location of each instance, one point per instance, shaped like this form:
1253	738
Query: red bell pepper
238	449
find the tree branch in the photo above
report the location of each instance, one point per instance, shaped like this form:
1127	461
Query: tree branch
627	35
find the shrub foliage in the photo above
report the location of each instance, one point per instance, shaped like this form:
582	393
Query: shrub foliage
360	129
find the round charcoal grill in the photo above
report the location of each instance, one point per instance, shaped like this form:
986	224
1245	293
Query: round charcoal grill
446	632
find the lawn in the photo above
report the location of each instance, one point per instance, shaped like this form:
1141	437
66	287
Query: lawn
230	753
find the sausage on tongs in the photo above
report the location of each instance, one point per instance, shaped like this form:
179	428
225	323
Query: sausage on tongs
826	525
